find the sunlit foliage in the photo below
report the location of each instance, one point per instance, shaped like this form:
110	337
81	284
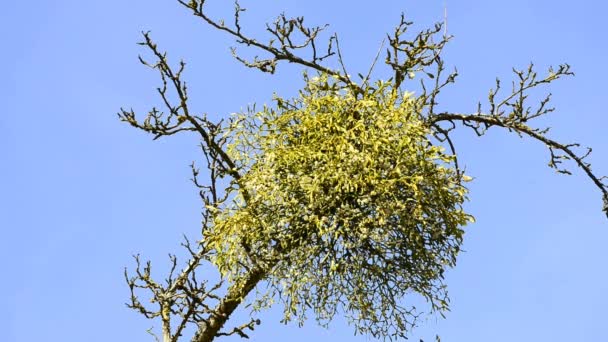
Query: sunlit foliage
346	201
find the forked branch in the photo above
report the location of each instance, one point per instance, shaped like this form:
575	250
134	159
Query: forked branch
284	44
178	117
513	113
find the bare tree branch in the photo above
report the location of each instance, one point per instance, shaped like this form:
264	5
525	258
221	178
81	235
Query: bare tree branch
282	46
476	121
160	124
407	57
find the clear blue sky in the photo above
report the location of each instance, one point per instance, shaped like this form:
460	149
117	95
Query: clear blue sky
80	192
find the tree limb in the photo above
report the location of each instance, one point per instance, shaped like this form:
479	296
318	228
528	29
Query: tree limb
493	120
282	31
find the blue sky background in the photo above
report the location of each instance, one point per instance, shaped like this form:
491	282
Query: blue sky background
80	192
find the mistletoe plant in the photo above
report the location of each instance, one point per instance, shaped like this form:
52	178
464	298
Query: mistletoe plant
345	199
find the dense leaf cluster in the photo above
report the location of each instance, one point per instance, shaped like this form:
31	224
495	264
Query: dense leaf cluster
346	202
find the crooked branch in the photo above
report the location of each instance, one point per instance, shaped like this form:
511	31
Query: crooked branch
282	31
474	120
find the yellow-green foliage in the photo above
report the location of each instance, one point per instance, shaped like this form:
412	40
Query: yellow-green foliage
347	203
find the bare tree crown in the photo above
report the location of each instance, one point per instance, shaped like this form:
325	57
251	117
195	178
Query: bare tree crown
341	199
